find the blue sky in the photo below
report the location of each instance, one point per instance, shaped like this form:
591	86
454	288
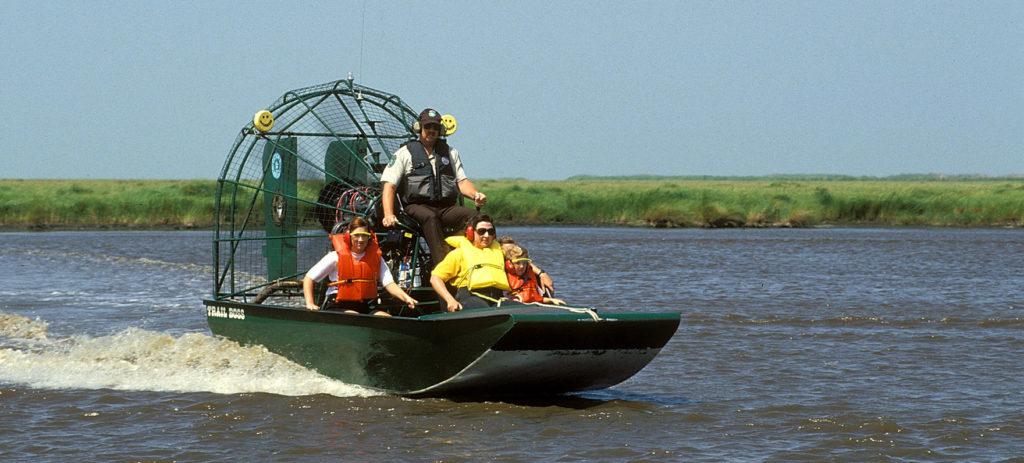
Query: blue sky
541	89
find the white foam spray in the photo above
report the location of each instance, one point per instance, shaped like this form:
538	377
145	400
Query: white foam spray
136	359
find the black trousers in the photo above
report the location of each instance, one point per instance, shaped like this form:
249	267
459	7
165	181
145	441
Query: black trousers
359	306
473	301
433	221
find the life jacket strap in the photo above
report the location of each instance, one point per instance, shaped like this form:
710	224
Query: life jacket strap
350	280
487	298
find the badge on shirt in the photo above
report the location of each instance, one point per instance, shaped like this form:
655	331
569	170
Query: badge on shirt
445	161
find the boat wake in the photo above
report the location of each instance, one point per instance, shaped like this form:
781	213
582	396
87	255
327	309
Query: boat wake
137	359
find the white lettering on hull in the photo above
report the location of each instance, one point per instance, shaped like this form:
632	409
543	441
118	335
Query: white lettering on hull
225	312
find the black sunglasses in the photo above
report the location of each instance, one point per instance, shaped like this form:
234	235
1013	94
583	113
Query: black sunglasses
485	231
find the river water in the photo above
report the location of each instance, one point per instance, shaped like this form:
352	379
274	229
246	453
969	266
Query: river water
795	345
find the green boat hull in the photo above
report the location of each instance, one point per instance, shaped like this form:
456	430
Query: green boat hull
510	350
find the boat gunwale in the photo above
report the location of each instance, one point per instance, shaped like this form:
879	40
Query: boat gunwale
520	313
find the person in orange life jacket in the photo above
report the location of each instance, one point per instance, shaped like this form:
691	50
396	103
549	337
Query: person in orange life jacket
475	267
507	242
427	175
522	281
355	267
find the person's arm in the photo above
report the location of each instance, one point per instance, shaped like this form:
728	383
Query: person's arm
391	178
543	278
449	268
387	201
319	270
394	290
307	292
466	187
469	190
438	284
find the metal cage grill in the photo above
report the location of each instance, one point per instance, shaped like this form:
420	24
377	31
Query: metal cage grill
280	190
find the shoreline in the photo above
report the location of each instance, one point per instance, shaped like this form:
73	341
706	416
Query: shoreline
766	202
101	227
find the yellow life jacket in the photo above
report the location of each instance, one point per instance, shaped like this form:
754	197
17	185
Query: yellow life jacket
482	268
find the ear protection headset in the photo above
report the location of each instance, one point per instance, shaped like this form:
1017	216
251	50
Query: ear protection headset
416	125
470	234
349	234
416	128
510	264
346	238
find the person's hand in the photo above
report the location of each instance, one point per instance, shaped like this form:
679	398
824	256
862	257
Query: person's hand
389	220
312	307
454	306
409	301
479	199
546	283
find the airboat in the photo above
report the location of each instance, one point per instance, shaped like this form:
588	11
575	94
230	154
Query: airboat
312	160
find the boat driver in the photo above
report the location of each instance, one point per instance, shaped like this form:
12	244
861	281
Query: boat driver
427	174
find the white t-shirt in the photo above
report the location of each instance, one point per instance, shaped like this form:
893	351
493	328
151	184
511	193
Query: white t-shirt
401	165
328	266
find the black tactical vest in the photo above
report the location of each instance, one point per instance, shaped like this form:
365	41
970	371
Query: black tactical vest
421	186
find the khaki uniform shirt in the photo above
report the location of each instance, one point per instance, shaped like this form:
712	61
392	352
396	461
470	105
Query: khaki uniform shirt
401	165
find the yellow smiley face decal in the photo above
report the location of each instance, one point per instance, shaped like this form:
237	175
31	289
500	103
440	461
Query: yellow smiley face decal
263	121
448	121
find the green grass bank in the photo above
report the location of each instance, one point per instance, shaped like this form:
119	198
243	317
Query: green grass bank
794	201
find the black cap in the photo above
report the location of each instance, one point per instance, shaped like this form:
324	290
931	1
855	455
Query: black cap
429	116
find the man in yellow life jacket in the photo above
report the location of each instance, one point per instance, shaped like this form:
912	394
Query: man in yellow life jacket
476	267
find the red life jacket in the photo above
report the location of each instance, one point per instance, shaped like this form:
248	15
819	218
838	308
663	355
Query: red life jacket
357	278
524	288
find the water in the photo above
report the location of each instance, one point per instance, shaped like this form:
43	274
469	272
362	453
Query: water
795	345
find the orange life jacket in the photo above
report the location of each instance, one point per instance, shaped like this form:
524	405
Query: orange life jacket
357	278
524	288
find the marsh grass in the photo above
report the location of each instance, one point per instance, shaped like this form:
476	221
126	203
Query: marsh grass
658	202
758	203
116	203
